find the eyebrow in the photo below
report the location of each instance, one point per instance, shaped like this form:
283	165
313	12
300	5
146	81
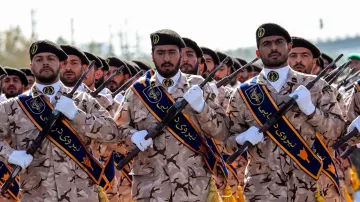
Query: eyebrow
189	51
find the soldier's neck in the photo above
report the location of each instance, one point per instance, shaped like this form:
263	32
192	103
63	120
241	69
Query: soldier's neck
278	67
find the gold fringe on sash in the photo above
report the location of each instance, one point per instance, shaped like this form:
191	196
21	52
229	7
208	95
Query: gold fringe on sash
102	194
241	194
354	178
318	196
228	197
214	195
347	195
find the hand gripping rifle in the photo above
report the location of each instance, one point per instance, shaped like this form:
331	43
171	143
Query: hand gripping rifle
173	111
105	83
227	79
126	84
284	108
53	117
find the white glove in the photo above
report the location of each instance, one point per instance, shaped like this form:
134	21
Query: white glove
251	135
20	158
119	98
342	90
214	88
358	145
110	98
2	97
304	100
138	138
194	96
67	106
355	124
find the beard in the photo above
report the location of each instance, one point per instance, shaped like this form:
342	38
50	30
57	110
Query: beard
272	63
189	69
13	92
233	81
167	73
99	82
113	85
47	79
69	82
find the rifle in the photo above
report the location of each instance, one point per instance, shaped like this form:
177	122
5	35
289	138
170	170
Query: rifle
344	139
227	79
348	151
328	77
339	72
348	77
173	111
105	83
351	86
53	117
124	86
1	78
284	108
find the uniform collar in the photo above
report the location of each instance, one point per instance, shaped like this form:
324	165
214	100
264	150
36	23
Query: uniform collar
280	75
182	81
37	90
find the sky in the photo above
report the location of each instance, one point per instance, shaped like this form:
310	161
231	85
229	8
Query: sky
220	25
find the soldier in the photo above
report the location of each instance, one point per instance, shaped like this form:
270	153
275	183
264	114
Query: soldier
168	168
100	74
318	66
143	65
256	69
211	59
30	77
14	84
244	75
327	60
355	60
120	79
281	168
191	62
61	169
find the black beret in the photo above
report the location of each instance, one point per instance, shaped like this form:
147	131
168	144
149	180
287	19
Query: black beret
132	68
244	62
212	54
116	62
72	50
271	29
236	65
27	71
44	46
222	57
105	65
257	66
91	57
300	42
192	44
166	37
142	65
16	72
328	58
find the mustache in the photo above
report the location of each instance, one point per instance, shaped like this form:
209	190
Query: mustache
69	71
46	68
274	52
299	64
166	63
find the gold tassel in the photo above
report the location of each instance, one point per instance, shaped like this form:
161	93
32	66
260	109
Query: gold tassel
241	194
102	194
347	195
228	197
214	195
318	196
354	178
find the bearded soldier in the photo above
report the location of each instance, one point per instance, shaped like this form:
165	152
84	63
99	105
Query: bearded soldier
63	167
14	83
282	166
170	167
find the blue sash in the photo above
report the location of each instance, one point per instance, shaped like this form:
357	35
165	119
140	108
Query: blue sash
14	189
158	101
62	135
261	105
109	174
357	84
118	157
329	167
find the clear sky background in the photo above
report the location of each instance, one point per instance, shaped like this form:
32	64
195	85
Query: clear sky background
223	25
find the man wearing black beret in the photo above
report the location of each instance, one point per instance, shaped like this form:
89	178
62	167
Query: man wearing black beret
303	55
100	75
90	77
211	59
170	161
327	60
120	79
244	75
283	165
15	82
51	171
30	77
192	61
143	65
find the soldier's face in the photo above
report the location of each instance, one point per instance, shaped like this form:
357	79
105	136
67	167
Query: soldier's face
90	78
31	81
12	86
354	63
99	77
72	71
189	62
210	64
166	59
46	68
243	76
117	81
301	60
273	51
222	72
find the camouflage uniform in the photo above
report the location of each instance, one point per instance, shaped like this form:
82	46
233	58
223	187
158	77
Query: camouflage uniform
353	110
170	171
52	175
271	174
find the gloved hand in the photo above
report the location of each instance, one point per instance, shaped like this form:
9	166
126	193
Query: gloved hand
2	97
119	98
194	96
67	106
355	124
251	135
20	158
342	90
138	138
110	98
304	100
214	88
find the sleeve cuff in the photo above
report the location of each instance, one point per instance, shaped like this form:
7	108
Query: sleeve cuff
80	117
204	115
316	119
